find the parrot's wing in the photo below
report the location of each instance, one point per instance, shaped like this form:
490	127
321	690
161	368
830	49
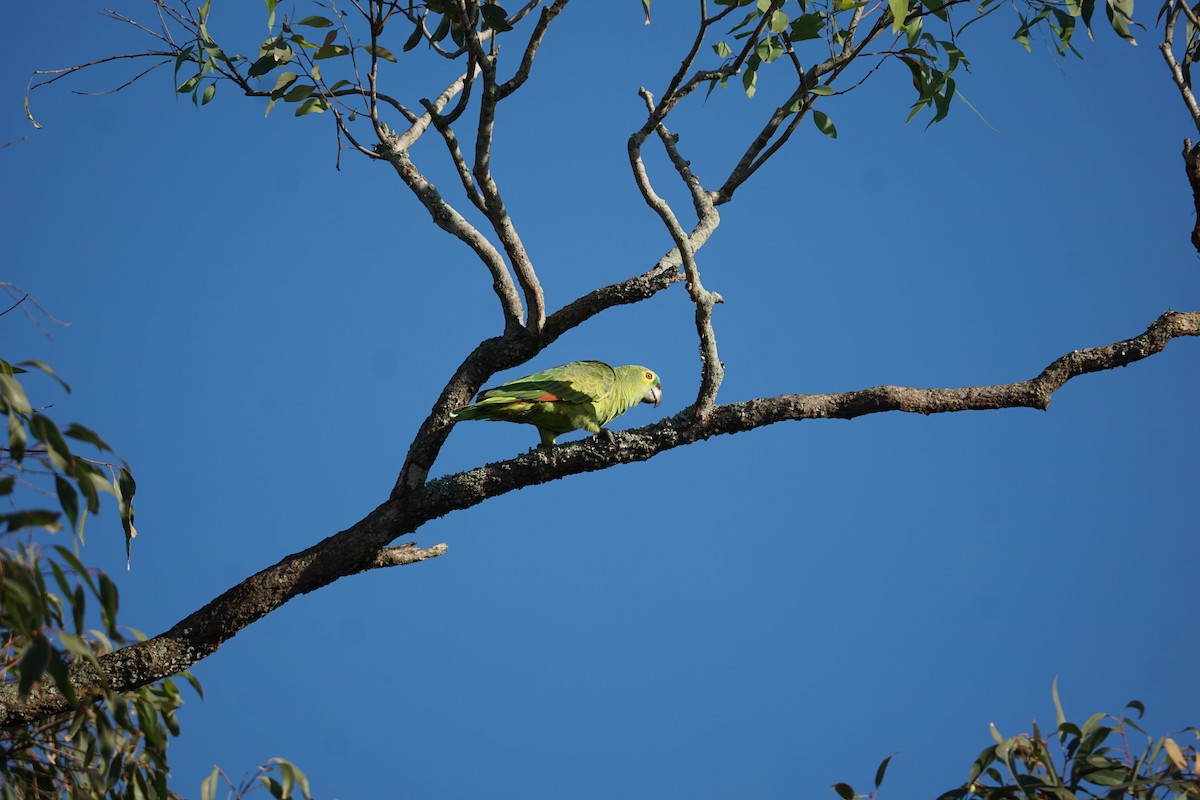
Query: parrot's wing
577	382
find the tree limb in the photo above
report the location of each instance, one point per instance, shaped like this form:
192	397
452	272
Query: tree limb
359	547
712	370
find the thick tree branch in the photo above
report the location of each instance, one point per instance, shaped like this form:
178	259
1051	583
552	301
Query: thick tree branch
359	547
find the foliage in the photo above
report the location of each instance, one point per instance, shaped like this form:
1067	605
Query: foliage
115	747
1094	760
118	746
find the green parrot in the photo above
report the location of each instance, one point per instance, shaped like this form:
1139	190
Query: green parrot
582	394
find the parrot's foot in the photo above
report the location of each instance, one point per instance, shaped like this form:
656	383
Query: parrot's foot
606	436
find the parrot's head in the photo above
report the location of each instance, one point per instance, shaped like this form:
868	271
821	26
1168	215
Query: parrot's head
653	387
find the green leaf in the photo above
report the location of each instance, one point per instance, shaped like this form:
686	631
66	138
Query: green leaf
126	487
108	603
195	683
208	788
879	773
209	92
316	22
824	124
313	105
823	89
778	22
182	58
750	81
380	51
414	38
442	29
44	367
68	500
271	13
6	485
331	51
79	432
646	9
57	669
298	93
285	79
32	665
1059	716
38	517
11	390
899	9
807	27
845	791
16	437
1120	14
495	18
260	67
722	50
938	7
46	432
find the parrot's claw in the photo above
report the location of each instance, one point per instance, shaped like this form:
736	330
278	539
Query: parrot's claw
607	436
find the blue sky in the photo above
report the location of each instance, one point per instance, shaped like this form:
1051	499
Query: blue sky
762	615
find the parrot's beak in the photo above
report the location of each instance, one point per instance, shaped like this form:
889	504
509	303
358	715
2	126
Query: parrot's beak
653	396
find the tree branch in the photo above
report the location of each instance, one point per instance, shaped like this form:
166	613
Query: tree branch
712	370
1177	75
448	219
535	41
495	211
359	547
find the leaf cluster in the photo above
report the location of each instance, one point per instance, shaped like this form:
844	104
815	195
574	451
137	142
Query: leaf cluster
55	612
809	30
1076	762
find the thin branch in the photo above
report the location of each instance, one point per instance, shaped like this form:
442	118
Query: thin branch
712	370
497	214
446	217
14	305
456	155
421	124
59	74
1181	81
358	548
535	41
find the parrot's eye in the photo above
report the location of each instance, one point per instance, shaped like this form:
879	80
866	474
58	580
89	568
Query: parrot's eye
649	376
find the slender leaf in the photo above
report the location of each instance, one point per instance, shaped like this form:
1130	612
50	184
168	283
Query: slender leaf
824	124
